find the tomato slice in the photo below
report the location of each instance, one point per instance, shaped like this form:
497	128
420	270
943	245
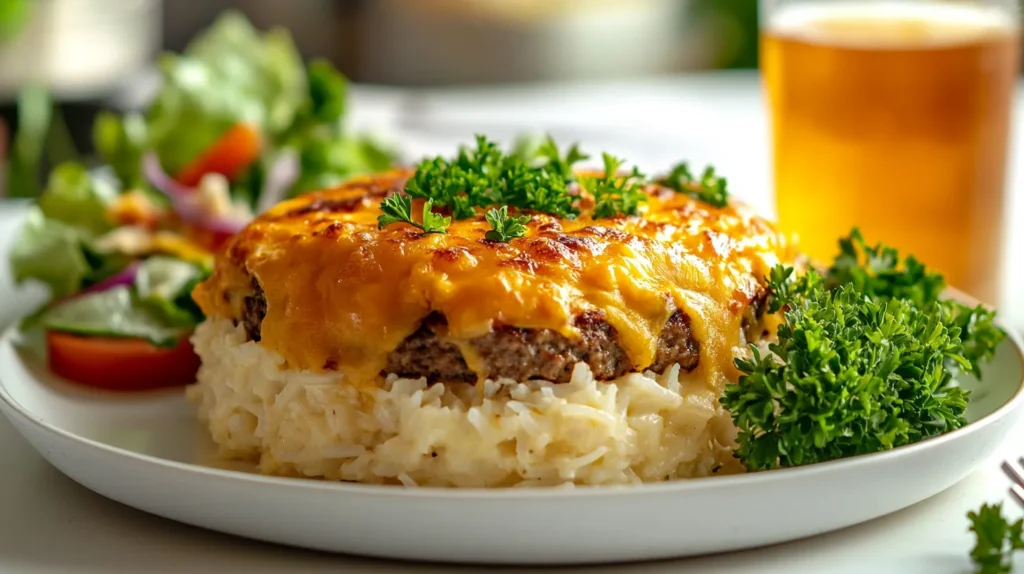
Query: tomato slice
234	151
120	364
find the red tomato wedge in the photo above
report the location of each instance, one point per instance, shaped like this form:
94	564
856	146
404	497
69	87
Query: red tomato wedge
234	151
120	364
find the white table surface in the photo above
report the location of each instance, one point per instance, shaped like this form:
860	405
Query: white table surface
50	524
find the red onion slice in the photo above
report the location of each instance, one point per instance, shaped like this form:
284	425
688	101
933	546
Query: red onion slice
280	177
125	276
183	199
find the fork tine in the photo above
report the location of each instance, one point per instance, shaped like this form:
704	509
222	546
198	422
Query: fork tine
1016	473
1018	493
1013	472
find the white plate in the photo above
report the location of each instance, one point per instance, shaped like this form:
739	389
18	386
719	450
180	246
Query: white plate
147	451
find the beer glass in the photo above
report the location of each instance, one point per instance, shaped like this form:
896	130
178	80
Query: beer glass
894	116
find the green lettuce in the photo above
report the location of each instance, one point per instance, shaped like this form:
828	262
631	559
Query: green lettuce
76	197
229	74
328	155
51	252
120	142
53	245
165	284
157	307
326	162
116	312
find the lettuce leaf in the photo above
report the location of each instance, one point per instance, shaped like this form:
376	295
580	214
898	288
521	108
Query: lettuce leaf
327	92
230	73
326	162
53	245
116	312
165	284
75	197
120	142
51	252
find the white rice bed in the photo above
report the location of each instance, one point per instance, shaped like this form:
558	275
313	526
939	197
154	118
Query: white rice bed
636	428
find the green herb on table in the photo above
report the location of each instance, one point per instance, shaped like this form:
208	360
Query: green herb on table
709	188
398	209
613	193
996	539
859	366
503	227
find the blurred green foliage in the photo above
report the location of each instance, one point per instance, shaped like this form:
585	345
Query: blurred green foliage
736	28
13	15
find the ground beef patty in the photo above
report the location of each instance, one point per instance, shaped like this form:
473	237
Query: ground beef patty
516	353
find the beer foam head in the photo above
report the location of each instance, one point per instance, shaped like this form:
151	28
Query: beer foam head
895	24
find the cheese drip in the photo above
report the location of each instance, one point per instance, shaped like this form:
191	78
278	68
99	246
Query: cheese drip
342	294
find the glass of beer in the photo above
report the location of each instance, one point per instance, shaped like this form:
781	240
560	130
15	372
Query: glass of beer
893	116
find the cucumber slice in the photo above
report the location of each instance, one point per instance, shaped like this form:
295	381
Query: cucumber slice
113	313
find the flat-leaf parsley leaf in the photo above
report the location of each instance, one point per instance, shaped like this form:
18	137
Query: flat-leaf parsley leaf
558	164
709	188
996	539
503	227
613	193
398	209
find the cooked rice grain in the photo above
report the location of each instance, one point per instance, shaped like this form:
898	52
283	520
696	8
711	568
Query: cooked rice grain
637	428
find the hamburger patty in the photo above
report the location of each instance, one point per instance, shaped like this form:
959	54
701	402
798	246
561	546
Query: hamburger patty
517	353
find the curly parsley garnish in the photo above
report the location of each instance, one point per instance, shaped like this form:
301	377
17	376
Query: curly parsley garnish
860	365
556	163
486	176
876	271
503	227
709	188
536	176
613	193
398	209
996	539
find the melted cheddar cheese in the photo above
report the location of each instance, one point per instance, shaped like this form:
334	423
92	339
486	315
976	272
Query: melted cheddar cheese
341	294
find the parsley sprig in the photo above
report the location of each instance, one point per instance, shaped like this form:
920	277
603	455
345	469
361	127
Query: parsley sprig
613	193
398	208
536	177
864	362
503	227
996	539
555	162
486	176
877	271
709	188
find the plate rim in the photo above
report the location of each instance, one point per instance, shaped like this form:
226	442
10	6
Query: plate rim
690	485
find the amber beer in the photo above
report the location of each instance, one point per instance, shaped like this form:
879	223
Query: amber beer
894	118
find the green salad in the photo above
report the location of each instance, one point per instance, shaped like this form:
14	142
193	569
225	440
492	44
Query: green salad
238	124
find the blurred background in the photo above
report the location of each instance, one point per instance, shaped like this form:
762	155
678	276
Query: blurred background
92	54
651	80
